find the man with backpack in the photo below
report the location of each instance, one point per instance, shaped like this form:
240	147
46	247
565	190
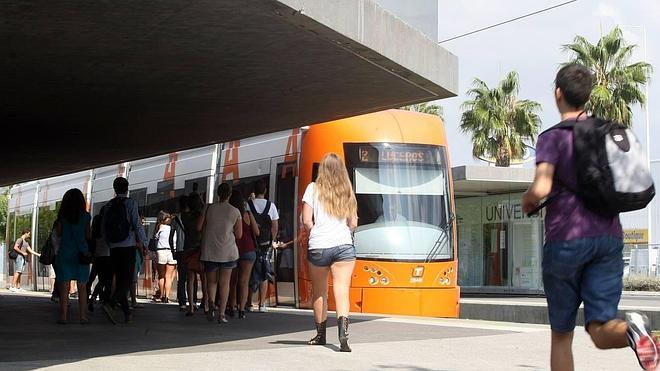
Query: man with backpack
123	233
582	256
266	215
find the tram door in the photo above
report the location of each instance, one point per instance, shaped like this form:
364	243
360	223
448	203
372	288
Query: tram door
283	193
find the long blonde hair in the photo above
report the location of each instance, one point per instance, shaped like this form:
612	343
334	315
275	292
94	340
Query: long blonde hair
333	188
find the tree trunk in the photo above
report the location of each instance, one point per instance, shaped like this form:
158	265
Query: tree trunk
503	157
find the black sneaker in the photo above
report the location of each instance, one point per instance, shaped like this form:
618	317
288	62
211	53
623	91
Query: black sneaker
641	341
241	314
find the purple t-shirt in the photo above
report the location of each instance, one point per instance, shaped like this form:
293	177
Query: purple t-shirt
566	217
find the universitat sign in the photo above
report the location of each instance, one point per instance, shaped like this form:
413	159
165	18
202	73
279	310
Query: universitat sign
505	212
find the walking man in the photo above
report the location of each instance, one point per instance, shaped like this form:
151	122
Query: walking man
123	233
582	256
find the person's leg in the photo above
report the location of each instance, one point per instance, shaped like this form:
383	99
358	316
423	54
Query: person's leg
601	290
17	280
82	301
263	290
190	283
93	273
64	300
182	274
319	277
609	335
170	271
562	272
225	278
245	270
211	288
125	260
561	351
233	283
341	283
162	270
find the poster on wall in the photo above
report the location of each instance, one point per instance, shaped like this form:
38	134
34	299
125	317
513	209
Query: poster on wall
526	255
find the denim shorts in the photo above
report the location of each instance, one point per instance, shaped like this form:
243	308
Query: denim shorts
588	270
248	256
325	257
19	264
214	266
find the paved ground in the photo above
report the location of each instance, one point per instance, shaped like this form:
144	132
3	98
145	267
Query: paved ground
163	338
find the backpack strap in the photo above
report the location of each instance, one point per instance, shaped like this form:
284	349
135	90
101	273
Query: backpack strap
264	213
252	208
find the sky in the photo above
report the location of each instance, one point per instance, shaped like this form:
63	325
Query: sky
532	47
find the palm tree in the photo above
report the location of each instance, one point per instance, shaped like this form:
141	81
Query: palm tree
426	107
501	124
618	84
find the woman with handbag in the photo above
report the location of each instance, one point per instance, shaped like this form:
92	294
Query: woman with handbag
192	250
73	256
166	240
330	214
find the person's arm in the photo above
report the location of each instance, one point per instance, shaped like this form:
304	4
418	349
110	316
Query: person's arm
540	188
137	226
252	222
274	229
307	216
29	250
238	228
202	219
352	222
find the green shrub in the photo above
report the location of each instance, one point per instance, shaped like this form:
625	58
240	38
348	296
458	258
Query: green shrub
640	283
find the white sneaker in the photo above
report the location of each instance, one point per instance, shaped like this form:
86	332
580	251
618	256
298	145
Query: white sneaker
263	309
20	289
12	289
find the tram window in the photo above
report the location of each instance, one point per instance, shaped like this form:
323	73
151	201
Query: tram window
140	196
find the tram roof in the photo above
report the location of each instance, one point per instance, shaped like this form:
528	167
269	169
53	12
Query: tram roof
86	84
489	180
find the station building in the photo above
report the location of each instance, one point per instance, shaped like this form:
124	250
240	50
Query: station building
500	248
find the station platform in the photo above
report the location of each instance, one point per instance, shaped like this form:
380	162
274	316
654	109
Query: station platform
534	309
162	338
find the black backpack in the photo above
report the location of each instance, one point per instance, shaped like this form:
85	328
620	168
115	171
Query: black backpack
115	221
13	254
265	237
612	170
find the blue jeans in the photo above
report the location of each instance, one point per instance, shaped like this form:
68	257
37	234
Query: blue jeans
588	270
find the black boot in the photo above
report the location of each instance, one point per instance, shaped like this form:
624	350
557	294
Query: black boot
319	339
342	324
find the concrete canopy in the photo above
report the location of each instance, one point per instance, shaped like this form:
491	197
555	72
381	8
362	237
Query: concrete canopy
85	84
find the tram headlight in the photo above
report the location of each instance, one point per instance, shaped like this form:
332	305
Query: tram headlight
373	280
385	281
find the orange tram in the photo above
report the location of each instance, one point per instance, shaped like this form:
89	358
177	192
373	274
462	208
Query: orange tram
398	162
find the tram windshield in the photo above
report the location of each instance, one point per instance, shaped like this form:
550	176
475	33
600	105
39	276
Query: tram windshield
402	192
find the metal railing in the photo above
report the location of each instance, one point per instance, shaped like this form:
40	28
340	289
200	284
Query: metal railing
642	260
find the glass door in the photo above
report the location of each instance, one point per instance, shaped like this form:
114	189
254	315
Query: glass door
283	193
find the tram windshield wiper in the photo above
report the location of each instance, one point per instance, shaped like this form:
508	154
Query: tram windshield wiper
442	239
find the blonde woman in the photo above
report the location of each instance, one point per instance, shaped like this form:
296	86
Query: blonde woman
330	215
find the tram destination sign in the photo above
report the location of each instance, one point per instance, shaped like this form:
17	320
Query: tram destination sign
402	155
